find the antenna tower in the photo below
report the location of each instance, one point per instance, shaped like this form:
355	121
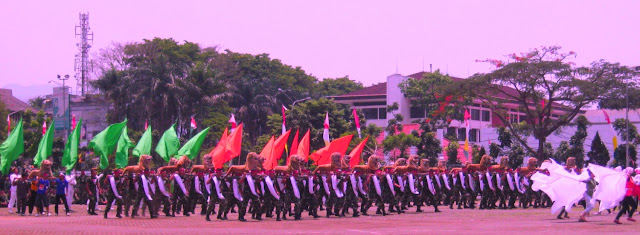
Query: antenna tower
81	66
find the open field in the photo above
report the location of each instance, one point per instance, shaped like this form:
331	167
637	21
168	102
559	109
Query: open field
448	222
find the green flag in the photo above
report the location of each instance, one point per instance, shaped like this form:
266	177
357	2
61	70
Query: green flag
144	145
122	150
192	147
70	154
168	144
12	147
104	142
45	146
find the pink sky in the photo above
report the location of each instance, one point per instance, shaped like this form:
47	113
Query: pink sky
361	39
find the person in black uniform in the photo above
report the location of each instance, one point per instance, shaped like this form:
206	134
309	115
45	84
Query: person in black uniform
114	187
142	195
92	191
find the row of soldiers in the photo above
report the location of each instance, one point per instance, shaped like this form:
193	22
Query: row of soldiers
337	187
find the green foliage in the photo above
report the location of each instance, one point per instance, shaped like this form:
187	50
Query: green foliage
310	115
429	146
599	153
452	152
562	152
620	126
394	124
620	155
478	152
548	152
401	142
577	140
537	81
494	150
336	86
504	136
516	155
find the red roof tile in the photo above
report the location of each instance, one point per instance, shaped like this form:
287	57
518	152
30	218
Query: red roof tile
12	103
378	89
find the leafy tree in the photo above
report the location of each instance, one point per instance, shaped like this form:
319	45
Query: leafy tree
310	115
429	146
620	155
516	155
620	126
577	140
395	123
401	142
336	86
494	150
37	102
599	153
504	136
538	82
452	152
548	152
562	152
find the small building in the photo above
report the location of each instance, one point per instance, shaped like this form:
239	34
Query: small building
91	108
13	104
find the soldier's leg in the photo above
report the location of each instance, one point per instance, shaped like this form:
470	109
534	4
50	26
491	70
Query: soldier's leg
107	208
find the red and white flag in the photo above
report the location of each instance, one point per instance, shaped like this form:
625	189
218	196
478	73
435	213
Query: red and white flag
357	120
284	120
194	125
232	120
73	122
325	133
8	125
44	128
615	137
466	124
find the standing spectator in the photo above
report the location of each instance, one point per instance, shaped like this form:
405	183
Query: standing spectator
61	189
12	178
4	201
42	201
22	186
33	193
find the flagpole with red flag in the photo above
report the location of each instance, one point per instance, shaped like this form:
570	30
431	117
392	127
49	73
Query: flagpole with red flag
357	120
8	125
44	127
232	120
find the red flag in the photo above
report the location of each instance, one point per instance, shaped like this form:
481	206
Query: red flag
266	153
339	145
218	154
146	124
606	116
44	128
73	122
294	146
234	144
232	120
466	117
303	146
357	120
542	103
356	152
8	125
489	141
194	125
278	147
315	156
284	120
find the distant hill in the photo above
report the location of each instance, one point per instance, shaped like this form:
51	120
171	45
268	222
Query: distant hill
25	93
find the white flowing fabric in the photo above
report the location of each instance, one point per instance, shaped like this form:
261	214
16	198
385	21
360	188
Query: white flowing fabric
252	184
216	183
611	186
179	180
112	181
390	183
401	183
510	181
294	185
446	181
490	181
412	184
272	190
145	185
236	190
464	186
334	183
472	186
430	185
310	184
207	183
360	186
376	184
354	184
326	185
518	183
197	185
499	181
161	186
564	188
438	181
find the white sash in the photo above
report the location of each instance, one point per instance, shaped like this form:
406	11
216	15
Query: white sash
510	181
216	183
145	185
472	186
412	184
161	186
310	185
390	183
325	185
464	186
196	181
281	184
354	184
334	184
360	188
430	185
207	183
446	181
401	183
272	190
236	190
153	187
499	181
481	182
112	181
294	186
438	181
489	181
262	188
180	183
252	184
376	184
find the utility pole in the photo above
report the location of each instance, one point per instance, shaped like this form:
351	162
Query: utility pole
65	97
81	66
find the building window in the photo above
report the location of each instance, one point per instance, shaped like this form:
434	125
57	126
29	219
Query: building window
475	114
474	135
523	118
383	113
417	112
513	118
486	116
462	135
451	131
370	113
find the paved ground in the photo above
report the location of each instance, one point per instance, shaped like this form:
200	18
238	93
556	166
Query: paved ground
449	222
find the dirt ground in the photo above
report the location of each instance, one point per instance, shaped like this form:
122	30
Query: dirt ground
517	221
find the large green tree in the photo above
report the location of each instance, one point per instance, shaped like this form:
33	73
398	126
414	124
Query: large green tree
577	140
336	86
429	146
599	153
542	85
